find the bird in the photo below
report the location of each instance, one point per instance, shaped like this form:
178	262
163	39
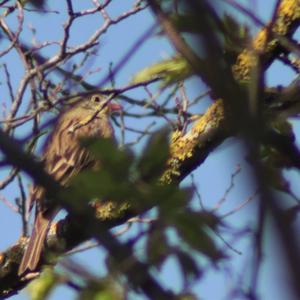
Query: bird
64	157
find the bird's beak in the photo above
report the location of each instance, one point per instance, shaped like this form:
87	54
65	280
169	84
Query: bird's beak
114	107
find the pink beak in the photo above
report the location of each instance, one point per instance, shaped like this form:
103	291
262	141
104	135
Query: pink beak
114	107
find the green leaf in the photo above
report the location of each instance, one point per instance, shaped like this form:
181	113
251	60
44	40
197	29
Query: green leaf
104	289
284	127
101	184
189	266
36	3
186	22
40	288
236	36
154	157
169	198
188	296
173	200
193	228
117	162
170	70
157	246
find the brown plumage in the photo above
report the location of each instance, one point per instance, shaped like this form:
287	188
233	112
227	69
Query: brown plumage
63	158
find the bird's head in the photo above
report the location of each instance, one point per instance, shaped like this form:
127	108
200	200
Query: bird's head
102	104
96	104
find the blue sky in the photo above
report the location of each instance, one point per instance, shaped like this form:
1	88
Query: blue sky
212	183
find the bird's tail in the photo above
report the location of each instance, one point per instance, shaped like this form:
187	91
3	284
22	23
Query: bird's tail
34	249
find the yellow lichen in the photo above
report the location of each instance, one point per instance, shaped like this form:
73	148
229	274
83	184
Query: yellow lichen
259	43
175	136
289	8
183	147
110	210
287	14
245	61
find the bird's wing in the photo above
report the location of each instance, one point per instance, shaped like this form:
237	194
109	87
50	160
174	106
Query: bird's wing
63	158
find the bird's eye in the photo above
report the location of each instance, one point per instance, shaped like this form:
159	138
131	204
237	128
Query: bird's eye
96	99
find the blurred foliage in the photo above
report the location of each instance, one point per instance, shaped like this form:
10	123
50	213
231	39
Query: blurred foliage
237	32
236	36
114	181
105	289
152	162
41	288
36	3
284	128
185	22
122	169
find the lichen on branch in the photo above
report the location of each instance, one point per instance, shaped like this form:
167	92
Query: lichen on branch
185	148
267	40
